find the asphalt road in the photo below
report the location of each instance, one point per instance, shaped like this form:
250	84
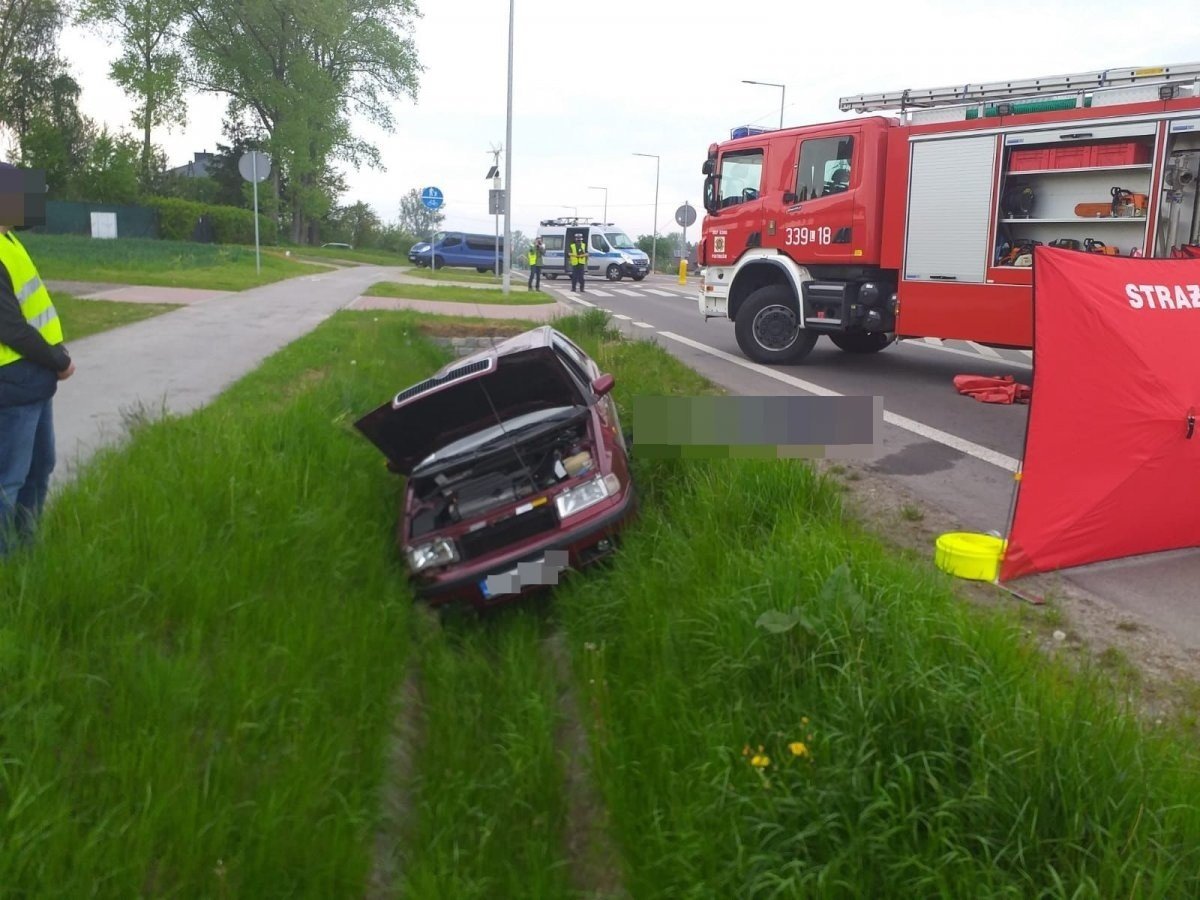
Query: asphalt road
949	450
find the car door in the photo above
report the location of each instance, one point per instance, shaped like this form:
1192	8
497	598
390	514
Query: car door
818	222
599	254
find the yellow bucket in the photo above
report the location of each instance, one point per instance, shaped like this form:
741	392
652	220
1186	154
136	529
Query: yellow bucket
967	555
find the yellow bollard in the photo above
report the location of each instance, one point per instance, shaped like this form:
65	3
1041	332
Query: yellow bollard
683	271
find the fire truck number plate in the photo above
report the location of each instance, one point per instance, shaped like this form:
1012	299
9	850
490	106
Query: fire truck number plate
803	236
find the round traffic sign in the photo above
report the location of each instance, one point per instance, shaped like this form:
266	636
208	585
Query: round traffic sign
431	197
255	165
685	215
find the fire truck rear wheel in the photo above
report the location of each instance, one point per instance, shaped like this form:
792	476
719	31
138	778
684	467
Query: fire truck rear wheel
768	328
861	343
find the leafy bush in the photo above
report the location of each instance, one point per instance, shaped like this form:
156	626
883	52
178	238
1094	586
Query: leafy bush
178	219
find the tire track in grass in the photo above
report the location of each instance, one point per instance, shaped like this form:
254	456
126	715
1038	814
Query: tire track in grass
404	746
596	869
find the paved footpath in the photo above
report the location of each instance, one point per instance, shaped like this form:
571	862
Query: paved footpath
179	361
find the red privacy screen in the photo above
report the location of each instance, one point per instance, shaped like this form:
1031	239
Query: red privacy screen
1112	452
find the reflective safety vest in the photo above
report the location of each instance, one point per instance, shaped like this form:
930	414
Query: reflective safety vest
578	254
31	294
533	256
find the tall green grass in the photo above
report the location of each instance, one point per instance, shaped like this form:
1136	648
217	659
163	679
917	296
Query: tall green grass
197	660
942	756
218	267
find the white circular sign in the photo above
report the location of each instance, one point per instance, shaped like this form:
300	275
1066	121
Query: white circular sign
255	166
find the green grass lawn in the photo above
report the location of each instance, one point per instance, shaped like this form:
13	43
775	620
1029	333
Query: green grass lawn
66	257
518	295
333	254
467	275
200	668
83	317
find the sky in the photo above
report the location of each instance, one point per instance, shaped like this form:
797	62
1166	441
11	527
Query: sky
596	83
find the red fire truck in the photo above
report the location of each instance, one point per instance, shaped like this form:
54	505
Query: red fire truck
920	225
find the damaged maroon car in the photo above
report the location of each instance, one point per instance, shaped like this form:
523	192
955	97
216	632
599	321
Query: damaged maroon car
517	469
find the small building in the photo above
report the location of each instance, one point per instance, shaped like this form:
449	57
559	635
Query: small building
197	168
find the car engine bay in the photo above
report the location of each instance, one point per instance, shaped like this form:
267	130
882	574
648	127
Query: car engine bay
512	471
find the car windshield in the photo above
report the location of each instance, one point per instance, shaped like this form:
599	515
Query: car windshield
479	439
438	238
620	240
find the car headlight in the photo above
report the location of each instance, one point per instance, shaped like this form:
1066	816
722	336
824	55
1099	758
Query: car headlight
585	495
435	553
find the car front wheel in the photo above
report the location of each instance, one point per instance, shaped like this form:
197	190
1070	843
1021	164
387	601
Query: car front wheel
768	327
613	273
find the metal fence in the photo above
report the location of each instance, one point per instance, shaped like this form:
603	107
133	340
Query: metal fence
73	217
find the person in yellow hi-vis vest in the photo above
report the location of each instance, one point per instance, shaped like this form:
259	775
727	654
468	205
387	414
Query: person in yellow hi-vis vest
577	255
33	361
537	256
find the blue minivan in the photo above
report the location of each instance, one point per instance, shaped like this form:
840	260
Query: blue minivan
458	249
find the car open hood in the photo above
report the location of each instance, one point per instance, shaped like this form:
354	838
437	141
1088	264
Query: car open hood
465	396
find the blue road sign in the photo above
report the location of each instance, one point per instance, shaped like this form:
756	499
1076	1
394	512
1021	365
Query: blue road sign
431	197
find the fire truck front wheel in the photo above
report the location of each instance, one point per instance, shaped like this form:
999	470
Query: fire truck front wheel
861	343
768	328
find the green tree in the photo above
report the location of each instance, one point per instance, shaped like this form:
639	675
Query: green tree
150	65
29	60
417	219
111	169
57	137
302	69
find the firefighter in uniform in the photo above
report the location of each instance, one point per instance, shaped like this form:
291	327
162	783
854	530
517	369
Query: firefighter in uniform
578	257
33	361
536	257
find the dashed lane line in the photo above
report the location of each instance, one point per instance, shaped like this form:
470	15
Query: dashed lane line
643	324
970	448
970	354
985	350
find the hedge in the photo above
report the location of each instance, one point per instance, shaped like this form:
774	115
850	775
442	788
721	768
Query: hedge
177	221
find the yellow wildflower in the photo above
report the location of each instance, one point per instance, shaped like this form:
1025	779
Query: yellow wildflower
798	748
760	761
804	720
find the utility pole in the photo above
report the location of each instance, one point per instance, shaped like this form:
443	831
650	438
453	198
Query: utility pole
495	175
508	159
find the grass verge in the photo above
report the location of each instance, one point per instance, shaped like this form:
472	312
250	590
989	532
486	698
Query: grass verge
336	254
196	662
457	274
68	257
780	707
83	317
197	669
518	296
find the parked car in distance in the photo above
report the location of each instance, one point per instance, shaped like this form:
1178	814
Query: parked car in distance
516	469
338	245
457	249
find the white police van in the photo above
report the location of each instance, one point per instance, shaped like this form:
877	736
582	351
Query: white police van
610	251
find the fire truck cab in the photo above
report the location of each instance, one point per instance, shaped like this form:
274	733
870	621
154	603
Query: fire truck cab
876	228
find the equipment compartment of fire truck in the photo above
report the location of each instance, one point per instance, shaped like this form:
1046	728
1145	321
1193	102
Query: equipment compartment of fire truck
923	224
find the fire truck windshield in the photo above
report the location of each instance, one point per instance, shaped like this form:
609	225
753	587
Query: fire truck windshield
740	177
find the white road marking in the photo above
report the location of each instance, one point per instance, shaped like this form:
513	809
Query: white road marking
601	293
967	353
936	342
984	350
584	302
970	448
627	293
661	293
643	324
1028	353
621	317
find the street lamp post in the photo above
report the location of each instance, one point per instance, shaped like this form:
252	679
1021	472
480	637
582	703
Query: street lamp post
782	94
605	220
654	246
508	158
574	209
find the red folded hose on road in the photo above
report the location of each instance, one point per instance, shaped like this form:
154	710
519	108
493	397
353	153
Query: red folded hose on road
993	389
